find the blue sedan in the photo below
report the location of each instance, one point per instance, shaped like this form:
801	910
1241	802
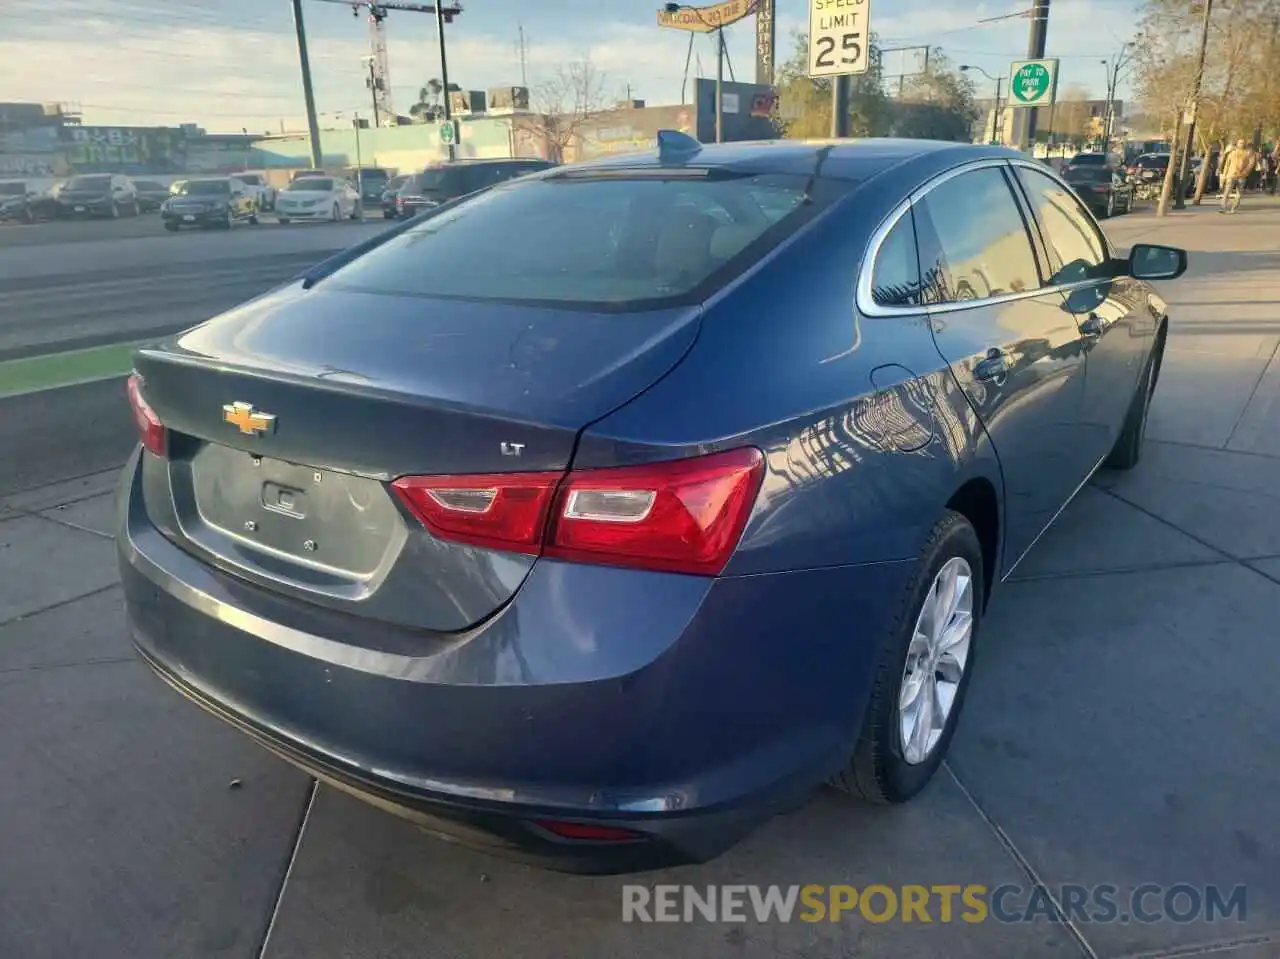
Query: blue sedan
594	518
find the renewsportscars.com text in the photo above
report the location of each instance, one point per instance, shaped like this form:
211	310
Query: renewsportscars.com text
1148	903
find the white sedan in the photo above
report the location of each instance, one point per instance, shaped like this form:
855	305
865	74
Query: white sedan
318	198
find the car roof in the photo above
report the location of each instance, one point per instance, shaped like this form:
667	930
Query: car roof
856	159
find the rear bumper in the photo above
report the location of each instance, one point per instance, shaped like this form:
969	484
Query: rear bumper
685	710
317	213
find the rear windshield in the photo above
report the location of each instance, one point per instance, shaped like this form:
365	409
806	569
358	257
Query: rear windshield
1090	158
438	181
370	174
1095	174
89	183
590	243
321	183
205	188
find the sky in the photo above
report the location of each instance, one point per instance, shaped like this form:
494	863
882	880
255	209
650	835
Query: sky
233	64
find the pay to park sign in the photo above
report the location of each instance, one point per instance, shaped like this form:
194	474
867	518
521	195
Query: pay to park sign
839	37
1032	83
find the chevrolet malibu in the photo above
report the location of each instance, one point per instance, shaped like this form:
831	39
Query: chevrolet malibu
593	518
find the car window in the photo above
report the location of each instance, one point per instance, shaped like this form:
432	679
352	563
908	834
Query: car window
205	188
976	245
1076	246
252	179
608	243
895	279
318	183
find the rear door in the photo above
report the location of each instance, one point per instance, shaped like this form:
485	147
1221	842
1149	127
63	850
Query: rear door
1116	327
1013	349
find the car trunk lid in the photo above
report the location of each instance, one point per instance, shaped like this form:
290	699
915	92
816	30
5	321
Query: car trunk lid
289	416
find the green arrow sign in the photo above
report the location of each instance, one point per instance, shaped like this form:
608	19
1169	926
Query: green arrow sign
449	132
1032	82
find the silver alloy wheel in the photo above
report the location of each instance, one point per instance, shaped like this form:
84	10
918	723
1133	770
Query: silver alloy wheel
936	660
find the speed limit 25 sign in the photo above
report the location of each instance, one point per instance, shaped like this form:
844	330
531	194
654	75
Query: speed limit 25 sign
839	37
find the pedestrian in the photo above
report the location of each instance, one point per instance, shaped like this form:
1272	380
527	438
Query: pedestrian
1237	163
1274	160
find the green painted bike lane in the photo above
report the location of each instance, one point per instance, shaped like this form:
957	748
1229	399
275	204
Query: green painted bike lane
49	371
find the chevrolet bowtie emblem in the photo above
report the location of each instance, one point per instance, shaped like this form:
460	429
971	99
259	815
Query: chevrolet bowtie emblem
248	420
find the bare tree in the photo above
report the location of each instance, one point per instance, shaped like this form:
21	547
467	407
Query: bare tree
573	96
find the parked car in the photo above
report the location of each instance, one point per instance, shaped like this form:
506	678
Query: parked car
264	193
98	194
16	200
1087	160
602	544
151	195
372	182
1105	190
210	201
447	181
318	198
388	198
1149	170
299	174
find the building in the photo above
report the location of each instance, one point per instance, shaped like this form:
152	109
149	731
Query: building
1071	121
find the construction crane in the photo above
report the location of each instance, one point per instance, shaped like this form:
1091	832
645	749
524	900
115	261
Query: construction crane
379	79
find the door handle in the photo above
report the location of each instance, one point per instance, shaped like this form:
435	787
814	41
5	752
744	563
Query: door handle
994	367
1093	325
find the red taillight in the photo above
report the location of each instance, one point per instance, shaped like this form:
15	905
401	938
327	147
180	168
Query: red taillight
588	831
506	511
150	430
683	516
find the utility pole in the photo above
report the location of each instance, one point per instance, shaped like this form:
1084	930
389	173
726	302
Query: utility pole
373	88
720	85
444	76
1176	182
524	59
1035	51
313	125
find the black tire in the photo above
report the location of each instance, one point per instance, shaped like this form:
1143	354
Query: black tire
282	220
1111	206
1128	449
171	227
253	219
115	210
357	209
877	771
388	215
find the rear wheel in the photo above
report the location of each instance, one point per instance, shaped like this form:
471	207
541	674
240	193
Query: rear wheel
923	672
282	220
355	210
171	226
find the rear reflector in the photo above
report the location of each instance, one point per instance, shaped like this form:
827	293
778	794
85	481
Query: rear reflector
151	431
588	831
682	516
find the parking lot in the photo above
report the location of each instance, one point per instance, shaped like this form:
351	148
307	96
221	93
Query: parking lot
102	229
1120	729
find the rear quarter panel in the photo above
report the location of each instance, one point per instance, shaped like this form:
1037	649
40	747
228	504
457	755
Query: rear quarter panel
865	433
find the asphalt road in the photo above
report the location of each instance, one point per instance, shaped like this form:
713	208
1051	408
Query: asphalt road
103	282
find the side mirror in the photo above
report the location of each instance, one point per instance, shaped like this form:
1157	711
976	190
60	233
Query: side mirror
1148	261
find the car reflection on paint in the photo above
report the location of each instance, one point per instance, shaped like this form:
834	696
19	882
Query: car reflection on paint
593	518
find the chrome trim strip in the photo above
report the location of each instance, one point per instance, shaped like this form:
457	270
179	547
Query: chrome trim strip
865	300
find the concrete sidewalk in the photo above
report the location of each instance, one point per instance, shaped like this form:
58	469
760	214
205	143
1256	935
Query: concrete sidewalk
1121	729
